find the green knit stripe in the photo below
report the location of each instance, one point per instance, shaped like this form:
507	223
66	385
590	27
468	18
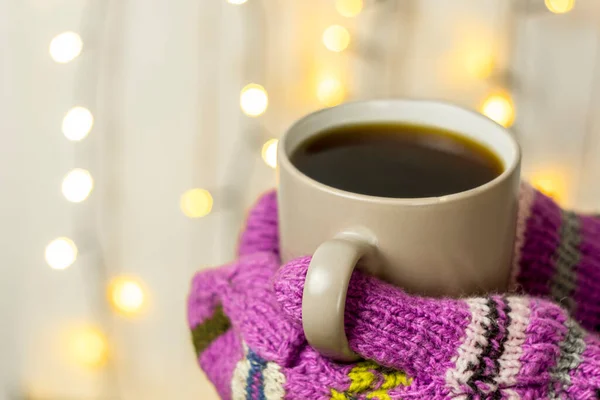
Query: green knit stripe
571	350
566	259
206	332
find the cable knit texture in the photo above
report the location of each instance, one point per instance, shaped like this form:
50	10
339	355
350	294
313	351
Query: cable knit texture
536	342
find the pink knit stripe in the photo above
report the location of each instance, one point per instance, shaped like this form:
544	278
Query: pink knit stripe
260	233
531	392
218	362
587	292
542	239
526	198
470	349
540	352
204	294
585	380
313	378
250	304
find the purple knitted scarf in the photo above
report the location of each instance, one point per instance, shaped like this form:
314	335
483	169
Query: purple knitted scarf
537	342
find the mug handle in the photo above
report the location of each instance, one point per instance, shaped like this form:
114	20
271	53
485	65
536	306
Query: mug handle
324	296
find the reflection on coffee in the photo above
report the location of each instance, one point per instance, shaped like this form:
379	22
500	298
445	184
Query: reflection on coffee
396	160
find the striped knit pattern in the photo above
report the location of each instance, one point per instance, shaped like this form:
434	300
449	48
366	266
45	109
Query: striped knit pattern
571	349
372	381
557	256
240	377
256	379
585	379
481	364
586	295
509	362
261	228
566	259
470	351
538	249
497	347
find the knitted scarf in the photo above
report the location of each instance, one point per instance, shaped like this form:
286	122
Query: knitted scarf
537	341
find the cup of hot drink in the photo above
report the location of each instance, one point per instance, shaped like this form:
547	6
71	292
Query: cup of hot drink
421	194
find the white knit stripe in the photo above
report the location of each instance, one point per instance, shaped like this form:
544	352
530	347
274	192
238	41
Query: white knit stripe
472	345
510	394
526	197
240	377
273	381
509	361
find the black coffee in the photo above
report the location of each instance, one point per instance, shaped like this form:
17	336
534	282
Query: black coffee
393	160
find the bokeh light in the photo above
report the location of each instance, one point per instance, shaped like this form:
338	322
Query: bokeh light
77	185
65	47
196	203
552	183
500	108
253	100
560	6
349	8
330	91
88	346
61	253
269	152
336	38
126	295
479	64
77	123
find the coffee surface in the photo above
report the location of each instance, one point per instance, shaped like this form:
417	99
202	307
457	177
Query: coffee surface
394	160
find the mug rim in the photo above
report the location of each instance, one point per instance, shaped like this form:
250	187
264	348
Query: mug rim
283	160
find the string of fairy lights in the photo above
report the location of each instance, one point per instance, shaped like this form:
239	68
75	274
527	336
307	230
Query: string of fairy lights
254	101
78	184
126	294
87	344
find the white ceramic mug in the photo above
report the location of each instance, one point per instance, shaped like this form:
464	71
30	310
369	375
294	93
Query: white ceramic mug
453	245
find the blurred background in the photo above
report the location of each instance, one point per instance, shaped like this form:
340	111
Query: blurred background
137	132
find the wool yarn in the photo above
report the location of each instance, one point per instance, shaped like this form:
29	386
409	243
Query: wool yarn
537	341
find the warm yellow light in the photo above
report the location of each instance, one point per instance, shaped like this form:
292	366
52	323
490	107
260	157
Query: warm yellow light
196	203
65	47
552	183
500	108
236	1
77	123
349	8
560	6
330	92
61	253
269	152
77	185
253	100
336	38
126	295
88	347
479	64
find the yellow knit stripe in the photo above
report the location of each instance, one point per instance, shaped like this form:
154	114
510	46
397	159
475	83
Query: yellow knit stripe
366	366
335	395
379	394
362	379
395	379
